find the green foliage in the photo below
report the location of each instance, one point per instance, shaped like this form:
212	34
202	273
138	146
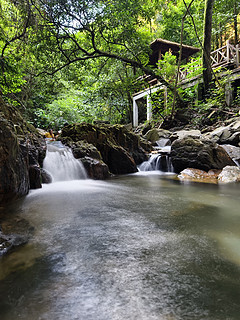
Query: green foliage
193	68
38	40
104	93
168	66
170	18
11	63
161	108
237	97
67	108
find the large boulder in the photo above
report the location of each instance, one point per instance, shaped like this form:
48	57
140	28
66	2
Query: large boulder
96	169
120	149
229	174
233	152
199	154
197	175
229	134
83	149
21	150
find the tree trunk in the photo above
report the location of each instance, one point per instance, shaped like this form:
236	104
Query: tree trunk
207	35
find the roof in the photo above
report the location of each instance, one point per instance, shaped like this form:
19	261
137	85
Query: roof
162	46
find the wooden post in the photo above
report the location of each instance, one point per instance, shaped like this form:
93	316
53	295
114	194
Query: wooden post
237	55
149	108
228	51
135	113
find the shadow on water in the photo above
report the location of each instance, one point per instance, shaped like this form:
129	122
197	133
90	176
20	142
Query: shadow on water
134	247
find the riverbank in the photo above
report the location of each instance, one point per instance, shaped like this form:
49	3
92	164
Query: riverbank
201	156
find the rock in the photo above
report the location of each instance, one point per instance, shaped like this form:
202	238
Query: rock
196	175
20	147
185	133
226	134
233	152
199	154
145	145
120	149
46	177
35	176
229	174
235	125
9	242
154	134
83	149
14	232
143	128
96	169
120	161
14	179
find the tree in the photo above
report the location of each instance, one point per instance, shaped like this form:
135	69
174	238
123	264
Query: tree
83	30
207	36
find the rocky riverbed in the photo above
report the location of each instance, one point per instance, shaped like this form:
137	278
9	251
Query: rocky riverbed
210	155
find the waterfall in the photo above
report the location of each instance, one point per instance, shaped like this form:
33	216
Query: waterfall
61	164
158	161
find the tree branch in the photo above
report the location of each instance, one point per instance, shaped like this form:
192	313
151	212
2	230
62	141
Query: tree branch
19	36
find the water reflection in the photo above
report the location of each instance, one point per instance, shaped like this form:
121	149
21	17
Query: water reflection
135	247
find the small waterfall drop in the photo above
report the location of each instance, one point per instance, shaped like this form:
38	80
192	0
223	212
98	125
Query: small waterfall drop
61	164
159	160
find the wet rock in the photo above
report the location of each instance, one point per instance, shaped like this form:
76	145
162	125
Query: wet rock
96	169
120	149
35	176
199	154
82	149
46	177
14	180
14	232
120	161
20	147
229	174
9	242
196	175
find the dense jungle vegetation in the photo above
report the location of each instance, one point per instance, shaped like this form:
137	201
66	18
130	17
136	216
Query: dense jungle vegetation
79	60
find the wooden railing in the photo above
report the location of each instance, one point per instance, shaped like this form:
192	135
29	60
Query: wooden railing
185	73
228	54
222	57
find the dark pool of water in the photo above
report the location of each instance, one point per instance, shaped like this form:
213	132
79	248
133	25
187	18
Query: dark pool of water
141	247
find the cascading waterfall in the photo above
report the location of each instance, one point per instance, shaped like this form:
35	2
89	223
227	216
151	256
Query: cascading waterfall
160	161
61	164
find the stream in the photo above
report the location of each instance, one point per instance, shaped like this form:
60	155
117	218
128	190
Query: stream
137	247
142	246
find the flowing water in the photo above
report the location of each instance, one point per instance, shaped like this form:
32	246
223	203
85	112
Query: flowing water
160	160
61	164
137	247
